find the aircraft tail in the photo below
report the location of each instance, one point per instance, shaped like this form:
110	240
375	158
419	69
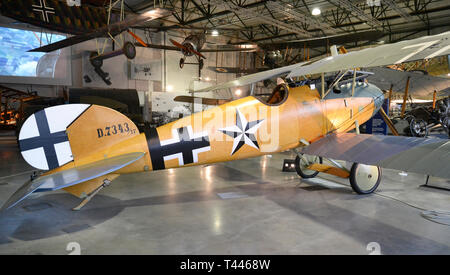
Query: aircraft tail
78	143
68	133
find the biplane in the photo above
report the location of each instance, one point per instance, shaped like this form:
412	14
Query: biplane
193	45
83	148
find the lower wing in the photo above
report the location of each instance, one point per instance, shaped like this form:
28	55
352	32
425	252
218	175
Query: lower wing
429	156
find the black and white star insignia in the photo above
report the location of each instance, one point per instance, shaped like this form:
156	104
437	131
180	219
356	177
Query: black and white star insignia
243	132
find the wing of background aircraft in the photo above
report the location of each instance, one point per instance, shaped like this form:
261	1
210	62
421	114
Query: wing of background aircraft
404	51
338	39
113	29
429	156
229	48
235	70
420	85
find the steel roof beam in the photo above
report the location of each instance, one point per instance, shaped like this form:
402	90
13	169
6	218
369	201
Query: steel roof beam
400	11
245	13
291	13
356	11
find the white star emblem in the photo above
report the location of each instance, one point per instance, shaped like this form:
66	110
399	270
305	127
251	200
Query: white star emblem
243	132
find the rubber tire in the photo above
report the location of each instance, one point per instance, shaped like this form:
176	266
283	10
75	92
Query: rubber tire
354	184
129	50
299	170
413	133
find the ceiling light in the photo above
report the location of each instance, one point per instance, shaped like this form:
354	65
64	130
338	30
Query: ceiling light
316	11
215	33
238	92
169	88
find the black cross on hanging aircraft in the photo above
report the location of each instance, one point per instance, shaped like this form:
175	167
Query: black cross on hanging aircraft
44	9
45	140
185	146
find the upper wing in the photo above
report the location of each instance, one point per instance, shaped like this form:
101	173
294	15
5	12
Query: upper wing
72	176
113	29
202	100
429	156
159	47
220	49
252	78
231	49
404	51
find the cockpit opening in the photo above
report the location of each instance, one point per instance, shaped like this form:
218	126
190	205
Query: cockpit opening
277	97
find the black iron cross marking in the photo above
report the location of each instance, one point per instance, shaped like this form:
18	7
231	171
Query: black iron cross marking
46	140
185	146
44	10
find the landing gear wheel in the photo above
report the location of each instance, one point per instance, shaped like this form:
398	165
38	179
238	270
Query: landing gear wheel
181	63
129	50
364	179
301	163
418	127
201	64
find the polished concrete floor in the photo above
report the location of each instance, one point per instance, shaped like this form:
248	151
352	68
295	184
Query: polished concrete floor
241	207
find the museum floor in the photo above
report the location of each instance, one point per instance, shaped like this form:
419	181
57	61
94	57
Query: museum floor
241	207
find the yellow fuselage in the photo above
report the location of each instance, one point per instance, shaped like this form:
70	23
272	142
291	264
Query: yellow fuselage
214	135
244	128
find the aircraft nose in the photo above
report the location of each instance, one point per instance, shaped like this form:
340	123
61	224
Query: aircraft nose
378	98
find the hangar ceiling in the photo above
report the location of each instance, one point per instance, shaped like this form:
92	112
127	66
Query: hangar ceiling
265	22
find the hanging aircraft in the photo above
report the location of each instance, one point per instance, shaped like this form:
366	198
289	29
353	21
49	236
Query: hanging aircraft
194	44
111	30
85	23
85	147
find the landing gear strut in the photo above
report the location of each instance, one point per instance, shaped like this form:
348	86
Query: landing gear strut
302	162
364	179
181	63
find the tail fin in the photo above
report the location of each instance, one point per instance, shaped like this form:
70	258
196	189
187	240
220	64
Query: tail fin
61	134
80	134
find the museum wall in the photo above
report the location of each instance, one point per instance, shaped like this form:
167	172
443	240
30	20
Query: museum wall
170	77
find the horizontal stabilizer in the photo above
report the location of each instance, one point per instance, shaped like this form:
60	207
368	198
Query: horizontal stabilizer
69	177
429	156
